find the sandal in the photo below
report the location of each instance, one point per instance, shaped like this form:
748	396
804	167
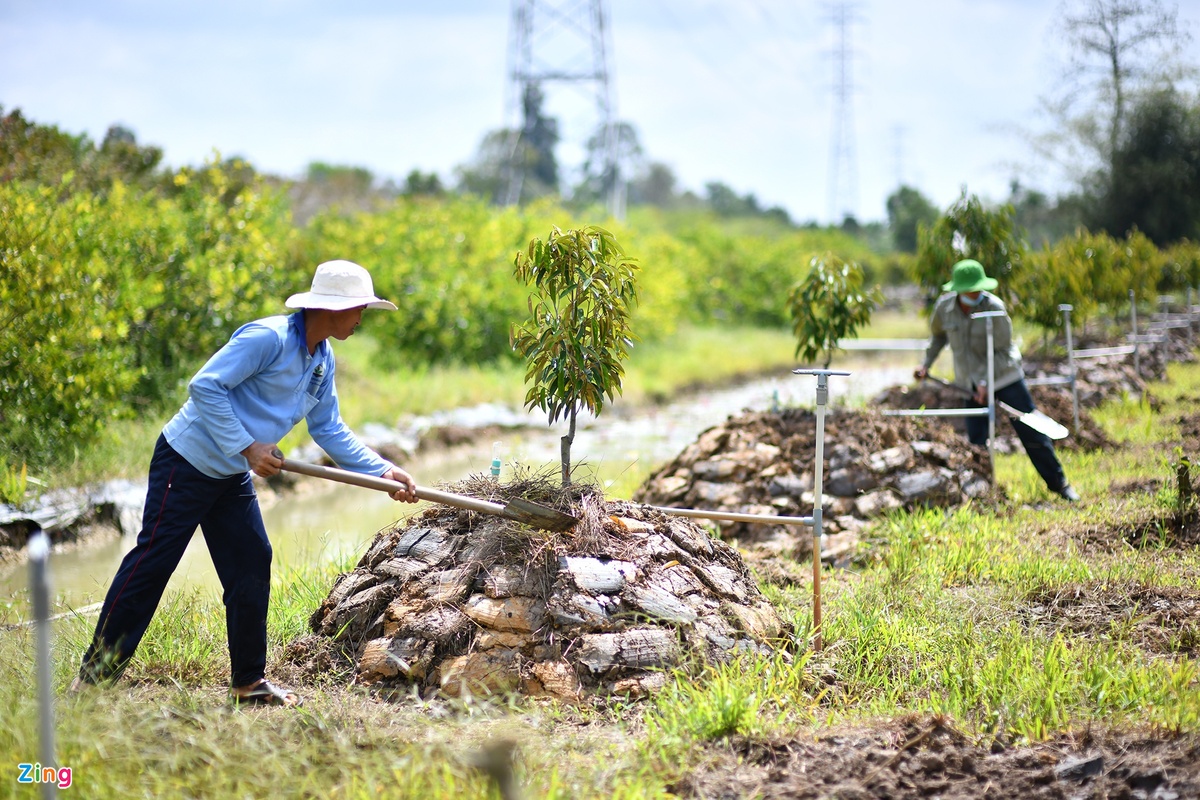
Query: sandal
267	694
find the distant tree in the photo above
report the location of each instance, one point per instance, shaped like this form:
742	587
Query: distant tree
779	214
529	166
43	154
127	159
341	179
1116	48
515	165
540	134
328	185
598	178
1156	172
39	153
487	174
725	202
968	230
655	185
578	333
907	208
1044	220
419	183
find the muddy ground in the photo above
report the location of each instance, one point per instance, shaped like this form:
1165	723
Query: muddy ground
1159	620
928	758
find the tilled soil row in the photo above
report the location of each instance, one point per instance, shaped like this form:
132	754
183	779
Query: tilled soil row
917	758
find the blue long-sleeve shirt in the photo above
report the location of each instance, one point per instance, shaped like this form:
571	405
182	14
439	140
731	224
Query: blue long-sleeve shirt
255	389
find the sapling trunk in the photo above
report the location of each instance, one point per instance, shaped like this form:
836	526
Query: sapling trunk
565	450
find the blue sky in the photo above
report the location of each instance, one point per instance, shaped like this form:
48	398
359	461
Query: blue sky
733	90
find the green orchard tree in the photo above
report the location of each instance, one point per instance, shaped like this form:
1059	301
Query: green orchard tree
578	334
829	304
968	230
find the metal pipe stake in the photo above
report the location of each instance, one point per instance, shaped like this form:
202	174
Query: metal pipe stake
39	587
818	488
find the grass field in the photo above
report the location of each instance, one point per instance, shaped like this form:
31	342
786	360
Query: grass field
973	616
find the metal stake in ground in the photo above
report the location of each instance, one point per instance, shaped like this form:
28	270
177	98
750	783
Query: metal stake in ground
987	316
818	477
1066	309
1133	335
39	587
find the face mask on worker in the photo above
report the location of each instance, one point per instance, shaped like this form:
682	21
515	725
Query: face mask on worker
969	302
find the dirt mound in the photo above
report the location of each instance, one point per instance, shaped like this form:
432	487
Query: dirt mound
1053	401
1176	529
762	463
1097	379
913	759
1164	620
456	601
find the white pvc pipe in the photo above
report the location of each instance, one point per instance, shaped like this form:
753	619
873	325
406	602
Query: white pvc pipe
39	588
1066	312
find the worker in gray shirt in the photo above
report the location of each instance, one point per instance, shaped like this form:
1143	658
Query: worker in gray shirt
967	293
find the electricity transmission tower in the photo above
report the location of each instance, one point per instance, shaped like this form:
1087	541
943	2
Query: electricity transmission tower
561	41
843	166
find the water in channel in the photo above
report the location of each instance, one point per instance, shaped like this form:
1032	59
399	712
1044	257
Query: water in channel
327	522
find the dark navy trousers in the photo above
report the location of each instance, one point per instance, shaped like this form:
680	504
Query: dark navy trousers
180	498
1038	446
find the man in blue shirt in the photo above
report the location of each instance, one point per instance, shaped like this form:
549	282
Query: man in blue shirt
271	374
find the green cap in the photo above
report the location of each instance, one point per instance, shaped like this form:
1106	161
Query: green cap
968	276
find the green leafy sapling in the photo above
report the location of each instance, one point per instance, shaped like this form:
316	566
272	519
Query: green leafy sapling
583	291
829	304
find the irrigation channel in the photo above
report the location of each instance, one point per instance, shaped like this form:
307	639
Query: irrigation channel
322	522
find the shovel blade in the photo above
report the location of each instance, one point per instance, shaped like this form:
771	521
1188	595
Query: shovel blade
537	515
1040	423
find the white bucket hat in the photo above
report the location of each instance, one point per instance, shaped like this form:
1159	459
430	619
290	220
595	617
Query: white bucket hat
338	285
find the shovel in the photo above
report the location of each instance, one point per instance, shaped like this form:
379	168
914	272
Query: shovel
517	509
1034	419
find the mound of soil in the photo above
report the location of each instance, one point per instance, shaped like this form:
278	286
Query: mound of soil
762	463
1097	379
455	601
912	759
